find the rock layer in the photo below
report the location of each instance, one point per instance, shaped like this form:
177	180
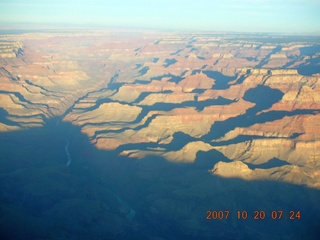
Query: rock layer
173	96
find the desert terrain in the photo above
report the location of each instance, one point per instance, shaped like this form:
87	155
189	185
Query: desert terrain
247	106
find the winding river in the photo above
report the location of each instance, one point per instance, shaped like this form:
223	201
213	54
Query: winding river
68	154
130	212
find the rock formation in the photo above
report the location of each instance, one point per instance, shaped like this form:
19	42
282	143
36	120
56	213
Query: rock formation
250	100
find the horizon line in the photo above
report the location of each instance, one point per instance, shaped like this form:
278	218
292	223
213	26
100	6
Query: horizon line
78	27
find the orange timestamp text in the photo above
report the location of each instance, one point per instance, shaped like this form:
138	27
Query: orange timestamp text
255	215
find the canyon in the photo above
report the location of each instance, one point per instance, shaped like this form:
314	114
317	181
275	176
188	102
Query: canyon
248	107
123	94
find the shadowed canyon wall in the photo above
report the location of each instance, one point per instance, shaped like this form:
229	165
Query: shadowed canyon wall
144	132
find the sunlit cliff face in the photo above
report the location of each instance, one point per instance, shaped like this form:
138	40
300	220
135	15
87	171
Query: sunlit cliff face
173	96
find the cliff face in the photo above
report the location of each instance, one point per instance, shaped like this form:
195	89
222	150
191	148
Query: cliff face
249	100
10	49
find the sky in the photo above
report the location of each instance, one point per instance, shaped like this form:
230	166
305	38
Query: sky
277	16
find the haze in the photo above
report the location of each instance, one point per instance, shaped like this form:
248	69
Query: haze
280	16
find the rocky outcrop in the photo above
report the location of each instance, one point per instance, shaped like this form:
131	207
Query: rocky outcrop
197	81
9	49
163	126
299	92
292	173
106	112
187	154
236	169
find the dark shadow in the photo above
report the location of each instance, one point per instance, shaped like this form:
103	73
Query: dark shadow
42	198
312	66
242	78
310	51
169	61
138	66
209	159
183	73
263	97
176	53
143	71
198	91
239	139
266	59
252	59
204	66
272	163
143	95
174	78
180	139
21	97
3	118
